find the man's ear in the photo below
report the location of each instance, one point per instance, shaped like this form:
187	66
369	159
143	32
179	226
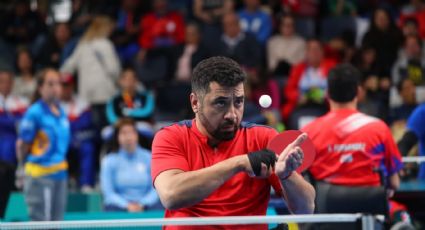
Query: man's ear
194	102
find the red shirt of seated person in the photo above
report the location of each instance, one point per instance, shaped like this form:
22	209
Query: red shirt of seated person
312	73
161	28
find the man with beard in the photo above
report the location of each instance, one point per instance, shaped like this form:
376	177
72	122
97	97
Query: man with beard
216	165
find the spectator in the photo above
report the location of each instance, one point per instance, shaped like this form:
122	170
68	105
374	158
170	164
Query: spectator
44	136
365	61
410	27
161	31
255	21
161	28
97	65
307	77
411	62
82	146
192	52
127	29
12	108
306	13
52	48
414	10
125	174
130	102
286	48
236	44
210	14
25	83
370	98
386	38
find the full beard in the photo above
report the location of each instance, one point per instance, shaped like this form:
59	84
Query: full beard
219	133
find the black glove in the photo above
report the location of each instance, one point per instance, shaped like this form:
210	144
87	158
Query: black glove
265	156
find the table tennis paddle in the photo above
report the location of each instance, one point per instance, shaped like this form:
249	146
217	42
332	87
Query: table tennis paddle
279	143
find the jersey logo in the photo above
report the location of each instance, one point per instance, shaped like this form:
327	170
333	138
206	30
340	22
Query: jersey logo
40	144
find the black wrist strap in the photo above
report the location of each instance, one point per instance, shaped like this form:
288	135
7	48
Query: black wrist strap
264	156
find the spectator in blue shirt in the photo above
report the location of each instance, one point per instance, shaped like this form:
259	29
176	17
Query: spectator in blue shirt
256	21
125	178
44	136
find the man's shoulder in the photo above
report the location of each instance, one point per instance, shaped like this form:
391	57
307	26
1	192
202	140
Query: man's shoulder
183	124
257	129
175	129
255	126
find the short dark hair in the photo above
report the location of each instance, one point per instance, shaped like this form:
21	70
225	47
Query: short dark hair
343	82
222	70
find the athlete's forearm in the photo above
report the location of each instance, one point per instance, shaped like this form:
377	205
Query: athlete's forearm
22	150
299	194
178	189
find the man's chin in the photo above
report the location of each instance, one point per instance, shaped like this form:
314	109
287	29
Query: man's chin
226	136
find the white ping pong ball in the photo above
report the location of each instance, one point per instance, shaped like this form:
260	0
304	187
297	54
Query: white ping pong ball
265	101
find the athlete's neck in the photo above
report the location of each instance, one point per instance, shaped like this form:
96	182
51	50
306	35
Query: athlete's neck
339	106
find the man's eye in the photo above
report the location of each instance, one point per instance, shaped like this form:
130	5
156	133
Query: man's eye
220	103
239	101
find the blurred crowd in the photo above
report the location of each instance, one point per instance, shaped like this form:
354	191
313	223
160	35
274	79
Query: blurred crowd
133	59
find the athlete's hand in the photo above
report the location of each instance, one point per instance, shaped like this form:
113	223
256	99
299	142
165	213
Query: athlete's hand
134	207
260	163
291	158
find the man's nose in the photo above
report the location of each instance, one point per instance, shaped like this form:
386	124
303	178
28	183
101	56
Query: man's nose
231	113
